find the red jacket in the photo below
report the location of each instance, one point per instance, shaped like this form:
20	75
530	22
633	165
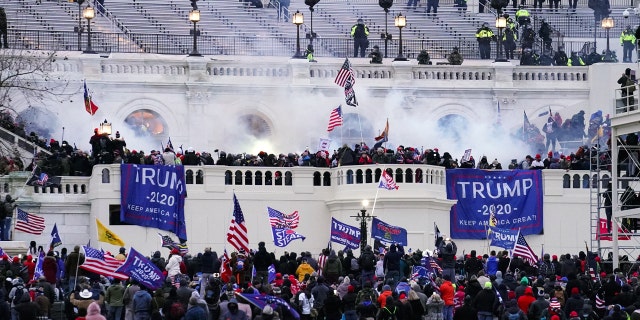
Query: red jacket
447	292
382	299
526	300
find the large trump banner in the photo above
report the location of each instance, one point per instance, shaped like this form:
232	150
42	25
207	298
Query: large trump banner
514	197
153	196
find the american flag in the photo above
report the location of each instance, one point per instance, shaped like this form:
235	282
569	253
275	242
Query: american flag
522	249
599	302
237	234
386	182
29	223
101	263
281	220
345	73
335	119
42	180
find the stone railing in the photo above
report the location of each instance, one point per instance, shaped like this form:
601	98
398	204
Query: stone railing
275	177
295	71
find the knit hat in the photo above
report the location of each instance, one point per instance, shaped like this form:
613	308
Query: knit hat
573	314
175	251
267	310
524	281
488	285
575	290
386	287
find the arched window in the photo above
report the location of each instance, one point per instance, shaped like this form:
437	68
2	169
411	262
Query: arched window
248	177
200	177
83	189
317	179
258	178
228	177
278	178
75	188
67	188
268	178
288	178
238	180
409	176
327	179
585	181
189	177
106	178
349	176
359	177
566	181
419	176
368	176
576	181
399	175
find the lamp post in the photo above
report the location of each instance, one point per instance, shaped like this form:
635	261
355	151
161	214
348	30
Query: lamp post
89	13
194	16
385	4
501	23
298	19
363	217
79	27
105	127
400	22
311	35
608	23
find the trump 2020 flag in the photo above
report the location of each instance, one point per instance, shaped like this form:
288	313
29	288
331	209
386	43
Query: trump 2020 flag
142	269
153	196
271	272
386	182
387	233
503	238
345	234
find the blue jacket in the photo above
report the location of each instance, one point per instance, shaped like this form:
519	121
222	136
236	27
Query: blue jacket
195	313
142	301
492	265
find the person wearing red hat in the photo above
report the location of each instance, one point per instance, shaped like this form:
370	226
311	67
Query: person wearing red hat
31	266
537	163
574	303
173	265
574	316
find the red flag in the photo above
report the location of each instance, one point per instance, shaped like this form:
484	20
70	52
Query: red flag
225	269
88	103
604	233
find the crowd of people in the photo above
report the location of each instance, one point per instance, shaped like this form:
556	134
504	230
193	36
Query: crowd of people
381	284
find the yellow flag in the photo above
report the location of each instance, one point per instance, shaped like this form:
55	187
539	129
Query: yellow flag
492	216
106	235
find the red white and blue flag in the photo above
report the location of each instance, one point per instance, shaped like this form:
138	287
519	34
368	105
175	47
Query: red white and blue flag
280	220
237	235
88	102
335	119
101	263
386	182
523	250
29	223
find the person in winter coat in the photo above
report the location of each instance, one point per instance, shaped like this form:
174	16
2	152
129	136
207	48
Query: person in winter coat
93	312
574	302
466	311
512	310
485	302
525	301
332	269
50	268
173	266
435	305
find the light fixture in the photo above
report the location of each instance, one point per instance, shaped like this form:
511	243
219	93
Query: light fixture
89	13
501	23
298	19
400	22
607	24
194	16
105	127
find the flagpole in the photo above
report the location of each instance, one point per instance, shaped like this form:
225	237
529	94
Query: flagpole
360	125
373	209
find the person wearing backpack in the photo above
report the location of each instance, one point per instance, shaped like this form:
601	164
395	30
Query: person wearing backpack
389	311
367	264
17	294
513	312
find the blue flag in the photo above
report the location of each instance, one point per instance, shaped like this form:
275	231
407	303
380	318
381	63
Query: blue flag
387	233
419	272
142	269
260	301
38	271
271	273
515	197
153	196
345	234
282	236
55	237
503	238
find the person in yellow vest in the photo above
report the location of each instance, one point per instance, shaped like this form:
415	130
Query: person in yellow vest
522	16
484	35
628	43
360	34
575	60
